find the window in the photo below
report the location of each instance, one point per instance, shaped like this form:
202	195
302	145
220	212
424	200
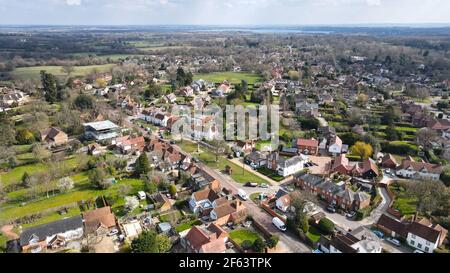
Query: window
412	242
419	245
413	236
427	243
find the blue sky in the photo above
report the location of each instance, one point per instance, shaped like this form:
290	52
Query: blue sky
223	12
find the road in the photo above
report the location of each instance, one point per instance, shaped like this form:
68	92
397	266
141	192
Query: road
288	238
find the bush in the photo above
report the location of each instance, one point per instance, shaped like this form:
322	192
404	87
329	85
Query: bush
326	225
258	245
273	241
247	244
399	148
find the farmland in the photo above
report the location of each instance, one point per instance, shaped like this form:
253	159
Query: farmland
34	72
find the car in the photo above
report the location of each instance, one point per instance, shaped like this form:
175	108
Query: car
205	218
251	184
172	142
350	215
393	241
279	224
195	160
264	185
113	232
388	171
331	209
230	156
418	251
247	224
242	195
379	234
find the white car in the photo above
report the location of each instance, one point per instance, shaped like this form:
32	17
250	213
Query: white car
242	195
418	251
279	224
393	241
113	232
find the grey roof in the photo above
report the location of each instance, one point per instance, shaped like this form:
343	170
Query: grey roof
281	193
53	228
102	125
292	161
310	178
164	227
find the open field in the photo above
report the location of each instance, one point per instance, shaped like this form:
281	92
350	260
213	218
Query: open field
34	72
233	77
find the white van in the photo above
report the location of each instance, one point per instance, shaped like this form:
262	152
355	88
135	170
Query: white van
242	194
142	195
279	224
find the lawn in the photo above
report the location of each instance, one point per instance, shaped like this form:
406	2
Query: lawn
3	240
233	77
242	235
271	174
405	204
82	191
34	71
313	234
239	174
188	225
15	175
170	217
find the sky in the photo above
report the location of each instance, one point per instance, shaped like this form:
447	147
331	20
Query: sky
223	12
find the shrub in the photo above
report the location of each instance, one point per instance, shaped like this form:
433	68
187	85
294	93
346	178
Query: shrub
247	244
258	245
326	225
273	241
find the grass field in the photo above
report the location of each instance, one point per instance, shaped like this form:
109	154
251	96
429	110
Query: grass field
242	235
233	77
34	72
405	204
239	174
313	234
188	225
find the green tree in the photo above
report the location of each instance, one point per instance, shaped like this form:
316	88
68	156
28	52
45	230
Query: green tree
24	136
49	85
84	102
258	245
273	241
26	180
326	225
142	165
40	154
97	177
150	242
362	149
172	190
163	242
431	195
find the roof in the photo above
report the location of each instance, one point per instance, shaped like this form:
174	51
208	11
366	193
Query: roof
419	166
285	200
428	233
344	243
207	193
224	210
393	225
207	239
307	142
99	217
102	125
369	164
310	178
50	229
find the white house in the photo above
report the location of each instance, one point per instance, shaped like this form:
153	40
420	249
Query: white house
292	165
423	237
283	203
418	170
202	200
335	146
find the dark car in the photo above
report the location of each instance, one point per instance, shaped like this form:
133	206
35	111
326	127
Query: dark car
250	184
195	160
331	209
172	142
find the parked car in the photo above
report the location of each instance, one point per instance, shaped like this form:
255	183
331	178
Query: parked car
172	142
393	241
195	159
264	185
251	184
247	224
418	251
242	194
113	232
379	234
331	209
279	224
350	215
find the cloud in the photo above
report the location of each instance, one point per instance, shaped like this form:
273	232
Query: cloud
73	2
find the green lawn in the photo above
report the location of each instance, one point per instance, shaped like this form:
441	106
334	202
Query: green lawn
3	240
242	235
313	234
171	217
15	175
188	225
233	77
405	204
271	174
239	174
82	191
34	71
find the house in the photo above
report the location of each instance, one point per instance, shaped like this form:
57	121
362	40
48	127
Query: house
258	158
162	202
12	98
307	146
366	169
52	235
439	125
349	243
389	161
225	212
187	92
283	202
244	147
420	234
170	98
202	200
307	109
54	136
201	179
286	166
336	146
96	149
211	239
132	229
409	168
101	131
99	221
128	144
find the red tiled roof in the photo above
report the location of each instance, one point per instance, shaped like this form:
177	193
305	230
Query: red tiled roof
307	142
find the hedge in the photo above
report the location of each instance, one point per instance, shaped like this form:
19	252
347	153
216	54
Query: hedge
326	225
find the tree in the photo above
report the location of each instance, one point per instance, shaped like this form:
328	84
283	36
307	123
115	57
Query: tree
84	102
101	82
7	133
220	147
294	75
49	85
65	184
362	99
425	136
142	165
26	180
431	195
172	190
362	149
40	153
124	189
326	225
150	242
24	136
97	176
258	245
273	241
68	69
131	203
